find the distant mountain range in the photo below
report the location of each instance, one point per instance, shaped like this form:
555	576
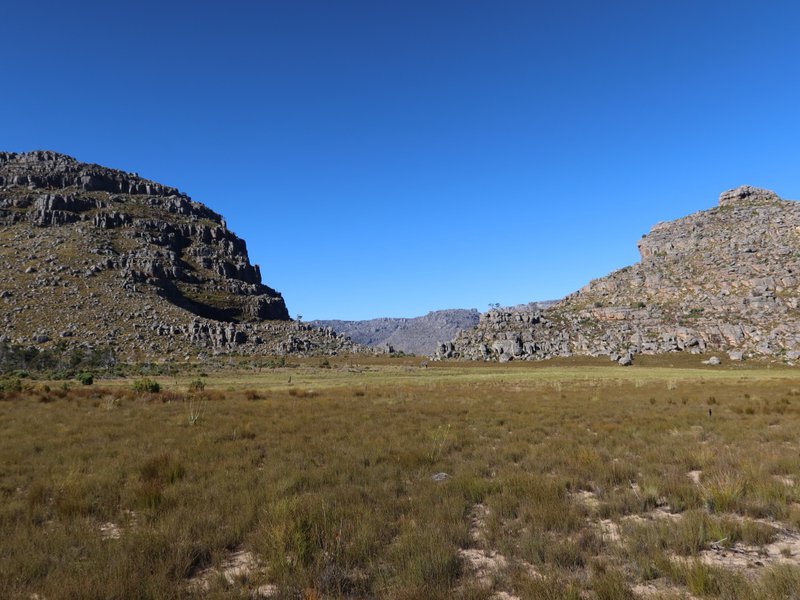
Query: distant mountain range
417	335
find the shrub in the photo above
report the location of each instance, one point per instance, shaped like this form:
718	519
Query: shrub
198	385
146	386
276	363
13	384
85	378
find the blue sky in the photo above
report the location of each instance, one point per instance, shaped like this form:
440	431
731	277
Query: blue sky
391	158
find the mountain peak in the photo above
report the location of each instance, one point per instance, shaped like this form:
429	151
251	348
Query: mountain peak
747	194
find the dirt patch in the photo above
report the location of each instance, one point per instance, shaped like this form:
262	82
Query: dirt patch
662	589
236	569
609	531
657	514
784	550
503	596
113	531
477	523
484	565
110	531
695	476
587	499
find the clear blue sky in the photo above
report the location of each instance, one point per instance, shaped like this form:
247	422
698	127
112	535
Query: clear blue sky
390	158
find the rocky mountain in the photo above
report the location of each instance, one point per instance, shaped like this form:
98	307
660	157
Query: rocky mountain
96	256
418	335
724	279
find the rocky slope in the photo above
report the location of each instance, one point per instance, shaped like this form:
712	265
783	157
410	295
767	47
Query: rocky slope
418	335
724	279
96	256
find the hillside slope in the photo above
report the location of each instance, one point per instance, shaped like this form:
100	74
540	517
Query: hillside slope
95	256
720	279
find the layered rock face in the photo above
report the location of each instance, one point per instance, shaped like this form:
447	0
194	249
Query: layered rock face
93	255
724	279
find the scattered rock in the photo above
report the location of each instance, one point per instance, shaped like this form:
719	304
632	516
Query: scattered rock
440	477
110	531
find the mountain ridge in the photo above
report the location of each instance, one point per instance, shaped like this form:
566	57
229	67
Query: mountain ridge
94	255
721	279
412	335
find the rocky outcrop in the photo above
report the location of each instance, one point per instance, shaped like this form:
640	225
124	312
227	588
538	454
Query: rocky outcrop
418	335
724	279
747	194
95	255
50	170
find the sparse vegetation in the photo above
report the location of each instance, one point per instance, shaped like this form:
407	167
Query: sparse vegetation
569	482
59	362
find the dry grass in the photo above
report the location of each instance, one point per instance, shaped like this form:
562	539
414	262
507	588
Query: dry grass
322	477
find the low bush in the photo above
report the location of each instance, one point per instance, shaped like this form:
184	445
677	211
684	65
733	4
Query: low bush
198	385
11	384
146	386
85	378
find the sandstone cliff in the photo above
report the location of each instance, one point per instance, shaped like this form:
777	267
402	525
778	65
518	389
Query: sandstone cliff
724	279
91	255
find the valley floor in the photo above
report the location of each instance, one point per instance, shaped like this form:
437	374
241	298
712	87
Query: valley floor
390	478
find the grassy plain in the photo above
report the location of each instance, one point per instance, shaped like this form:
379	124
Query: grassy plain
566	479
